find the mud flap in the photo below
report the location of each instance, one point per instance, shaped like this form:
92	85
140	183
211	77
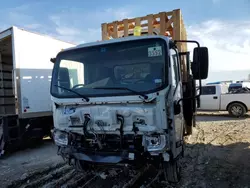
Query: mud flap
189	106
2	136
9	133
2	143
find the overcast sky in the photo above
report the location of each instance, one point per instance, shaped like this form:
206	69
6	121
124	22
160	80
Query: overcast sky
221	25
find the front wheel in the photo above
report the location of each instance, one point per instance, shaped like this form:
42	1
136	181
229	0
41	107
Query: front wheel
237	109
171	171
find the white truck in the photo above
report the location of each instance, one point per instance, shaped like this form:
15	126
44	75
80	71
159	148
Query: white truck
25	76
131	98
217	98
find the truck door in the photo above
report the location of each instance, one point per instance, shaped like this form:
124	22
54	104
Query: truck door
209	98
177	93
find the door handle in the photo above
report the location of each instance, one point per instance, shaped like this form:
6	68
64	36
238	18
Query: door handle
215	97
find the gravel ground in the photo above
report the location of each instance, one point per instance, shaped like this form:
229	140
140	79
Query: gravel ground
216	155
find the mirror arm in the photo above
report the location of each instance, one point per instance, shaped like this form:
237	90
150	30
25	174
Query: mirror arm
187	41
198	44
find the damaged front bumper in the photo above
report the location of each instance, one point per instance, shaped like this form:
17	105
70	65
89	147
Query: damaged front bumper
133	148
96	156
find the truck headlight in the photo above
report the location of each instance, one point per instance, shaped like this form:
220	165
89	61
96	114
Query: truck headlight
156	142
60	138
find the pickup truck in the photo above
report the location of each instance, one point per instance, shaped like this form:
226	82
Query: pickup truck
217	98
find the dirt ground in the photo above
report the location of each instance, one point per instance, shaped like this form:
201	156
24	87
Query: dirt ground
216	155
18	165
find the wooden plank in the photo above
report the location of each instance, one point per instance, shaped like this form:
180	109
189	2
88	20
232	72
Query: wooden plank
169	23
177	36
150	24
115	28
162	23
138	22
184	35
177	27
131	20
125	24
154	25
104	31
169	13
156	16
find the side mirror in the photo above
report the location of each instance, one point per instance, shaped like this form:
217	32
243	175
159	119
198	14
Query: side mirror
200	63
53	60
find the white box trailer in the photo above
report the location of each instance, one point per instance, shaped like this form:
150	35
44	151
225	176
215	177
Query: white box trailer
25	75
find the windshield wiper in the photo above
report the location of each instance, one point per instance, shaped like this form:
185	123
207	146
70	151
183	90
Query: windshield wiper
123	88
80	95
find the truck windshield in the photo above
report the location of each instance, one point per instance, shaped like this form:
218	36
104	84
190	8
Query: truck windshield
136	65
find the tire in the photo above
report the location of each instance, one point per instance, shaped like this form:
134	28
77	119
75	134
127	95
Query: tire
171	171
237	109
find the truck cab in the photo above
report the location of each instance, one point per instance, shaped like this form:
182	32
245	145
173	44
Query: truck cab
120	102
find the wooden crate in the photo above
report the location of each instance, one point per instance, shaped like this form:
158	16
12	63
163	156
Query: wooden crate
166	23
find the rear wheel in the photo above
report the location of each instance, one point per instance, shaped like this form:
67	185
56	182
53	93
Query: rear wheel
237	109
172	171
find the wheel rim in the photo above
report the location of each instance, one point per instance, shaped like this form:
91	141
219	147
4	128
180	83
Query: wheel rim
236	110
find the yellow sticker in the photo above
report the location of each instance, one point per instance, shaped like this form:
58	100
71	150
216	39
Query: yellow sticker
137	31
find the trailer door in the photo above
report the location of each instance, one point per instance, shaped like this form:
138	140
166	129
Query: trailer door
7	97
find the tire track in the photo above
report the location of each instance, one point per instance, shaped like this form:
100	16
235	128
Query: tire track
53	176
78	180
35	175
66	176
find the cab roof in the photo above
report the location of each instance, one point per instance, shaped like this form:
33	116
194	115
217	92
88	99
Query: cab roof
117	40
